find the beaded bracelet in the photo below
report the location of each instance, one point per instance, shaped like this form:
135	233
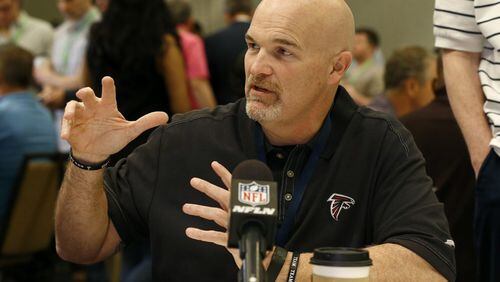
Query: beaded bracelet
87	166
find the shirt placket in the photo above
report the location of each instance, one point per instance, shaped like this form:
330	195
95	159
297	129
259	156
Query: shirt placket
289	175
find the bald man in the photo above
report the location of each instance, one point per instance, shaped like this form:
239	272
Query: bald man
347	176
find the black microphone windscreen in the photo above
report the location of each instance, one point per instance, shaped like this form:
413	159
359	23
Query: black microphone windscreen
253	170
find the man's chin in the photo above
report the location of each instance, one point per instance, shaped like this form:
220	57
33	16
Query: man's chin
258	104
260	112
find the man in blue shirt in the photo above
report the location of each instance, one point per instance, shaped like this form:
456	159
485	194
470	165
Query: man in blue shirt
25	125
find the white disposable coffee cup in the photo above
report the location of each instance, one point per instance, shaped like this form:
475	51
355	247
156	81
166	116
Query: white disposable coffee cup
340	264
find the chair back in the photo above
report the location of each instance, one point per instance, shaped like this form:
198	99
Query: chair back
29	225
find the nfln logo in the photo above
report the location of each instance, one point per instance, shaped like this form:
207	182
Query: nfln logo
253	194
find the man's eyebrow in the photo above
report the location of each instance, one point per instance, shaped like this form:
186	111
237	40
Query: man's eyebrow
248	38
287	42
282	41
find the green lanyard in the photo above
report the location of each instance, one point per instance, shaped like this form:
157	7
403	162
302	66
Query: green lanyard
71	39
18	32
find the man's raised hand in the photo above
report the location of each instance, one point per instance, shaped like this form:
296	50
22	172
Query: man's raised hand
96	129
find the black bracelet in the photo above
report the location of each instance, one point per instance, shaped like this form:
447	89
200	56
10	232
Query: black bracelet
277	261
87	166
294	265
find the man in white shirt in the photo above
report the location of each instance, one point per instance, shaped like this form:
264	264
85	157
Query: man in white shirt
70	43
68	53
17	27
469	31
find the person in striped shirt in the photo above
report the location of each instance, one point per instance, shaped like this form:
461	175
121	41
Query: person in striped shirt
469	33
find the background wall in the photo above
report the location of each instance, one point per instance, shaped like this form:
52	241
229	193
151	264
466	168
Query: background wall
399	22
210	13
45	9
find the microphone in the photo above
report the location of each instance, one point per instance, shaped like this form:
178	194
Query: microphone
253	216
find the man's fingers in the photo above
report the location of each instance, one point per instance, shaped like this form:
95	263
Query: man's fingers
223	173
148	121
70	110
68	119
108	91
88	97
209	236
216	193
210	213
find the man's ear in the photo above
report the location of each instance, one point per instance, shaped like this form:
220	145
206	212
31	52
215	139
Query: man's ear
411	87
339	67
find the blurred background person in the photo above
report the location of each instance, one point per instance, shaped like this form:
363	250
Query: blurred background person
56	97
70	43
438	136
226	48
102	5
197	29
469	34
26	126
144	58
409	76
193	50
364	81
18	27
64	71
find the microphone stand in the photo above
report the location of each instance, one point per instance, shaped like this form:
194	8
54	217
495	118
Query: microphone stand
252	252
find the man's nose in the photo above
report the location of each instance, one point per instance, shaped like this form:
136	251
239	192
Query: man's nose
260	65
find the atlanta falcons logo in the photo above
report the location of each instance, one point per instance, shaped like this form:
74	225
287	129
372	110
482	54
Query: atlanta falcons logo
339	202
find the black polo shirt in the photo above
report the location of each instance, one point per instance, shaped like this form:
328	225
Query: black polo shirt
369	187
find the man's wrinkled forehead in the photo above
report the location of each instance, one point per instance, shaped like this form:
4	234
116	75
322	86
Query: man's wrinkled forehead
318	23
284	18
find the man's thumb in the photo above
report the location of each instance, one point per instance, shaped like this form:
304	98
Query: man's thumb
148	121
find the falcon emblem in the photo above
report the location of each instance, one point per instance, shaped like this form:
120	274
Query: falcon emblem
339	202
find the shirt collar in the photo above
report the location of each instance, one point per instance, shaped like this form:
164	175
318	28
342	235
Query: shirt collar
341	113
15	96
21	19
87	19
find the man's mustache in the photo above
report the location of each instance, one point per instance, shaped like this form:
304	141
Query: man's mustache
262	83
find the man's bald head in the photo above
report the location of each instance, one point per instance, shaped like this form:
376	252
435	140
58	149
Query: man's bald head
298	51
329	23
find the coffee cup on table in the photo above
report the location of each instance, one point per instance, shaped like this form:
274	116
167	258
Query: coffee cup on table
340	265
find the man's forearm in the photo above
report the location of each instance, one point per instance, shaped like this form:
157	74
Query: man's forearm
81	221
391	262
467	99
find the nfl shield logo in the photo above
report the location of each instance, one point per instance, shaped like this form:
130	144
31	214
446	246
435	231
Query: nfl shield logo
253	193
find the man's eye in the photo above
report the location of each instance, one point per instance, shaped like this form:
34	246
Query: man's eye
284	52
252	45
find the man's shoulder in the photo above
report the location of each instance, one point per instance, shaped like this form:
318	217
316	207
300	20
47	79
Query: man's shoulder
375	123
203	117
369	115
62	29
39	25
24	110
25	107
